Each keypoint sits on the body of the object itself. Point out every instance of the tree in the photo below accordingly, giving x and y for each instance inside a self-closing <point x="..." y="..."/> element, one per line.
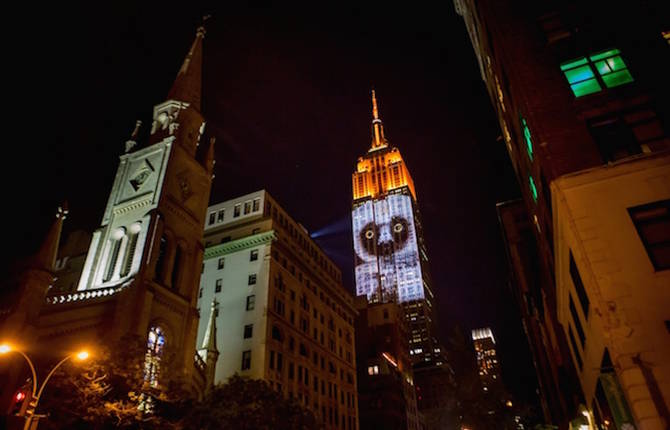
<point x="110" y="391"/>
<point x="246" y="404"/>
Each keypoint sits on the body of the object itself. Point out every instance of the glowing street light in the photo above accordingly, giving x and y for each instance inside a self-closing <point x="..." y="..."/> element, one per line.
<point x="31" y="418"/>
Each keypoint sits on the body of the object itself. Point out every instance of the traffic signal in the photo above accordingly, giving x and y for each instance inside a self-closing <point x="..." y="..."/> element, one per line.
<point x="20" y="402"/>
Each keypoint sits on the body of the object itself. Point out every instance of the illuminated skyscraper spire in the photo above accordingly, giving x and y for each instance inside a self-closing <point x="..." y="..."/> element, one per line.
<point x="378" y="139"/>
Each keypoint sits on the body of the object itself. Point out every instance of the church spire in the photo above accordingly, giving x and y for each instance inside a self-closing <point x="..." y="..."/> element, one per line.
<point x="378" y="139"/>
<point x="188" y="83"/>
<point x="46" y="256"/>
<point x="209" y="341"/>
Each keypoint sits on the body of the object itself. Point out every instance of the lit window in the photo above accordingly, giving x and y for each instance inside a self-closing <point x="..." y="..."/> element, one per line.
<point x="587" y="75"/>
<point x="152" y="358"/>
<point x="527" y="139"/>
<point x="533" y="188"/>
<point x="652" y="222"/>
<point x="373" y="370"/>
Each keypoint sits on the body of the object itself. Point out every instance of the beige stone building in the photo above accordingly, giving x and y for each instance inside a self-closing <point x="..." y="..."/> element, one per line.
<point x="612" y="247"/>
<point x="281" y="311"/>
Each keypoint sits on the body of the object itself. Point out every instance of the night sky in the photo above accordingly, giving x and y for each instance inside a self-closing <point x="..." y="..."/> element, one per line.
<point x="287" y="93"/>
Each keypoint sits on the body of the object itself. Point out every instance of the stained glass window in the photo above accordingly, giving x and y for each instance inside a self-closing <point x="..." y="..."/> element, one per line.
<point x="152" y="359"/>
<point x="527" y="138"/>
<point x="533" y="188"/>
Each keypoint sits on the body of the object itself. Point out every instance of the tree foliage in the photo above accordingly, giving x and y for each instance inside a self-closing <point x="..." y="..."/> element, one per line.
<point x="109" y="391"/>
<point x="246" y="404"/>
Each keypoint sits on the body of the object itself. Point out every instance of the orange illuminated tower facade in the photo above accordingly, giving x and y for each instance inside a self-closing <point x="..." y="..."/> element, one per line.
<point x="391" y="262"/>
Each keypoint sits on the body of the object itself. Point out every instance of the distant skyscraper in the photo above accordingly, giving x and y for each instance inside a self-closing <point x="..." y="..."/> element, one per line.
<point x="487" y="359"/>
<point x="391" y="262"/>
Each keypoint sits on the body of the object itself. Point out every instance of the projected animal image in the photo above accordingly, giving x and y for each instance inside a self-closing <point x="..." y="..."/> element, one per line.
<point x="387" y="256"/>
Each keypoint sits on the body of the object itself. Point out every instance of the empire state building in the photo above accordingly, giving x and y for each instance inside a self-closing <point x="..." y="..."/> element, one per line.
<point x="391" y="262"/>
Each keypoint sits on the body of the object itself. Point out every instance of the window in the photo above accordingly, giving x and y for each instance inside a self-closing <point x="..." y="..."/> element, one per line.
<point x="160" y="260"/>
<point x="578" y="357"/>
<point x="253" y="255"/>
<point x="212" y="218"/>
<point x="252" y="279"/>
<point x="246" y="360"/>
<point x="257" y="205"/>
<point x="247" y="207"/>
<point x="130" y="249"/>
<point x="248" y="331"/>
<point x="652" y="222"/>
<point x="276" y="333"/>
<point x="271" y="364"/>
<point x="280" y="361"/>
<point x="251" y="302"/>
<point x="527" y="138"/>
<point x="115" y="248"/>
<point x="236" y="211"/>
<point x="373" y="370"/>
<point x="219" y="215"/>
<point x="577" y="322"/>
<point x="579" y="287"/>
<point x="587" y="75"/>
<point x="152" y="358"/>
<point x="222" y="263"/>
<point x="218" y="286"/>
<point x="200" y="293"/>
<point x="533" y="188"/>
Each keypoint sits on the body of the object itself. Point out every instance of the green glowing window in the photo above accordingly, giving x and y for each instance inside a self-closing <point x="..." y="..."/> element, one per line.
<point x="533" y="189"/>
<point x="588" y="75"/>
<point x="526" y="138"/>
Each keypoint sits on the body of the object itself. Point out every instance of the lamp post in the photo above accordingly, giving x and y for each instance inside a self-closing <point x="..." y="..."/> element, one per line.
<point x="32" y="419"/>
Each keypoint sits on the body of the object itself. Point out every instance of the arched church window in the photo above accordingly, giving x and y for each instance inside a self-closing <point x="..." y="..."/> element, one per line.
<point x="115" y="247"/>
<point x="130" y="248"/>
<point x="152" y="358"/>
<point x="160" y="261"/>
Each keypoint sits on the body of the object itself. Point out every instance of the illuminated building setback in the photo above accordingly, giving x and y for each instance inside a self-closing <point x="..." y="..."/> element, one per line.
<point x="487" y="359"/>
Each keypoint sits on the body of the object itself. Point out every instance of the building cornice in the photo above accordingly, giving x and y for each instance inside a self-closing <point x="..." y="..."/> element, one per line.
<point x="240" y="244"/>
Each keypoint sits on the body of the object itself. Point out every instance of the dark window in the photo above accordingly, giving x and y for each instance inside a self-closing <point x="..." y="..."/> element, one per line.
<point x="247" y="207"/>
<point x="248" y="331"/>
<point x="251" y="302"/>
<point x="246" y="360"/>
<point x="257" y="204"/>
<point x="236" y="211"/>
<point x="579" y="287"/>
<point x="577" y="322"/>
<point x="253" y="256"/>
<point x="252" y="279"/>
<point x="212" y="218"/>
<point x="176" y="266"/>
<point x="222" y="263"/>
<point x="291" y="371"/>
<point x="574" y="347"/>
<point x="276" y="333"/>
<point x="271" y="365"/>
<point x="219" y="216"/>
<point x="652" y="222"/>
<point x="280" y="361"/>
<point x="200" y="293"/>
<point x="218" y="286"/>
<point x="160" y="261"/>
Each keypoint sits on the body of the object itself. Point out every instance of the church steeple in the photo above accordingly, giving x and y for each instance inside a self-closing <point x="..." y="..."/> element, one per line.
<point x="378" y="139"/>
<point x="188" y="83"/>
<point x="208" y="351"/>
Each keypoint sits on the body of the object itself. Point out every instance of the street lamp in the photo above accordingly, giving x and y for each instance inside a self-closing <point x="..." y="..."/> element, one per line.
<point x="31" y="422"/>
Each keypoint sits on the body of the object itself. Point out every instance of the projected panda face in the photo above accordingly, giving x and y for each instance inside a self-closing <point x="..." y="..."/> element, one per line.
<point x="386" y="251"/>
